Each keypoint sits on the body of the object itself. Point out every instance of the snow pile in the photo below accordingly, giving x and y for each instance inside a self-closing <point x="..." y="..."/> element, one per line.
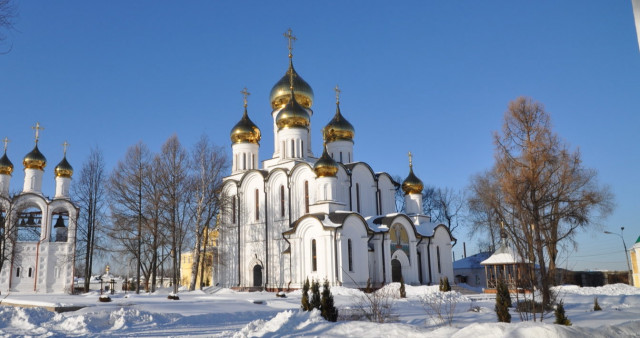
<point x="607" y="290"/>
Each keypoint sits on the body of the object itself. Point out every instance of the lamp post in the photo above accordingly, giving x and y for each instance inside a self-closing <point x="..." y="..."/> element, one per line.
<point x="626" y="254"/>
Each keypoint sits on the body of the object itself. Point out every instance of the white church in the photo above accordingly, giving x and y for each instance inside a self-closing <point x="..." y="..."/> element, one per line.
<point x="38" y="233"/>
<point x="297" y="216"/>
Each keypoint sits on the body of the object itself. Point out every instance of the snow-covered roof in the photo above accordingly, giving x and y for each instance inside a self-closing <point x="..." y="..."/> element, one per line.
<point x="504" y="255"/>
<point x="471" y="262"/>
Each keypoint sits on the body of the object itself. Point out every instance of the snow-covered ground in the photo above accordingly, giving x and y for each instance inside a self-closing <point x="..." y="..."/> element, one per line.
<point x="226" y="313"/>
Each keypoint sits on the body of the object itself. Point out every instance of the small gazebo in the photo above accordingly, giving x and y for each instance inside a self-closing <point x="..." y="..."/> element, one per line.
<point x="504" y="264"/>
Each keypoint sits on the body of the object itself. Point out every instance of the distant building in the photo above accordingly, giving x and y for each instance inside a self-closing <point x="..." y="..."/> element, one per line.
<point x="469" y="270"/>
<point x="207" y="257"/>
<point x="635" y="263"/>
<point x="37" y="234"/>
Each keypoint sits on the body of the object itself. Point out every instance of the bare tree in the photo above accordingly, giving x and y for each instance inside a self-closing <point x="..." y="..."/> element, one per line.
<point x="90" y="194"/>
<point x="126" y="188"/>
<point x="173" y="168"/>
<point x="8" y="13"/>
<point x="209" y="164"/>
<point x="543" y="193"/>
<point x="446" y="206"/>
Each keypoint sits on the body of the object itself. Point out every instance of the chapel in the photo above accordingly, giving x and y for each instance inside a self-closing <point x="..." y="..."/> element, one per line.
<point x="297" y="216"/>
<point x="37" y="233"/>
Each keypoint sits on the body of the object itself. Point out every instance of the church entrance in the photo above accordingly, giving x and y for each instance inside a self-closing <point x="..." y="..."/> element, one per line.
<point x="396" y="271"/>
<point x="257" y="275"/>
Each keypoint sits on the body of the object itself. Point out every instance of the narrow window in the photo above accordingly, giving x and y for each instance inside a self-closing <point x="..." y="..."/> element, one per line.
<point x="333" y="157"/>
<point x="17" y="272"/>
<point x="358" y="197"/>
<point x="349" y="252"/>
<point x="306" y="197"/>
<point x="29" y="273"/>
<point x="340" y="157"/>
<point x="257" y="205"/>
<point x="438" y="255"/>
<point x="244" y="161"/>
<point x="349" y="154"/>
<point x="301" y="148"/>
<point x="233" y="214"/>
<point x="284" y="150"/>
<point x="282" y="201"/>
<point x="314" y="260"/>
<point x="293" y="148"/>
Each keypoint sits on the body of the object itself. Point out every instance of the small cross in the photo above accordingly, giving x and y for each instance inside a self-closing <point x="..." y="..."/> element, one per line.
<point x="5" y="141"/>
<point x="65" y="145"/>
<point x="37" y="128"/>
<point x="245" y="95"/>
<point x="410" y="161"/>
<point x="291" y="38"/>
<point x="337" y="93"/>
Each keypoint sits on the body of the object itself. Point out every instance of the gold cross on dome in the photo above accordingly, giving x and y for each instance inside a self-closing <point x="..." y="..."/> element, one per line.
<point x="245" y="95"/>
<point x="288" y="34"/>
<point x="337" y="93"/>
<point x="410" y="160"/>
<point x="5" y="141"/>
<point x="65" y="145"/>
<point x="37" y="128"/>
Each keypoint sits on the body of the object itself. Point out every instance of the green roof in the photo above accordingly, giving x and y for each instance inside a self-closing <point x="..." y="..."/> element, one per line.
<point x="638" y="241"/>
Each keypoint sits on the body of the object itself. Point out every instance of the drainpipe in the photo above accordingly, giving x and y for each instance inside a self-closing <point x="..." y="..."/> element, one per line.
<point x="238" y="219"/>
<point x="384" y="273"/>
<point x="335" y="253"/>
<point x="419" y="260"/>
<point x="266" y="239"/>
<point x="429" y="260"/>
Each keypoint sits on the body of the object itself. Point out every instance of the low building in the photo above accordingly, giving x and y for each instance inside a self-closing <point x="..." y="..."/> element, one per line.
<point x="469" y="270"/>
<point x="635" y="263"/>
<point x="207" y="257"/>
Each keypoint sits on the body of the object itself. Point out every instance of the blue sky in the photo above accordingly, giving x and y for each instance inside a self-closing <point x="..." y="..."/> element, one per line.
<point x="430" y="77"/>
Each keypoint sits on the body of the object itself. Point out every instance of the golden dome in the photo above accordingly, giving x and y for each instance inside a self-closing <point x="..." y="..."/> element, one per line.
<point x="293" y="115"/>
<point x="412" y="184"/>
<point x="338" y="129"/>
<point x="6" y="167"/>
<point x="35" y="159"/>
<point x="245" y="131"/>
<point x="280" y="93"/>
<point x="64" y="169"/>
<point x="325" y="166"/>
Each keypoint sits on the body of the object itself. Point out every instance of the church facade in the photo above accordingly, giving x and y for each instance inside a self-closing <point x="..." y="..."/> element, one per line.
<point x="300" y="216"/>
<point x="38" y="233"/>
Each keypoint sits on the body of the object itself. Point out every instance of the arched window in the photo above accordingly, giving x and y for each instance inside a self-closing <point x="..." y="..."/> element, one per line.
<point x="30" y="272"/>
<point x="301" y="149"/>
<point x="349" y="155"/>
<point x="282" y="201"/>
<point x="306" y="197"/>
<point x="293" y="148"/>
<point x="59" y="229"/>
<point x="438" y="255"/>
<point x="314" y="258"/>
<point x="358" y="197"/>
<point x="244" y="161"/>
<point x="340" y="157"/>
<point x="17" y="272"/>
<point x="29" y="225"/>
<point x="233" y="212"/>
<point x="350" y="254"/>
<point x="257" y="205"/>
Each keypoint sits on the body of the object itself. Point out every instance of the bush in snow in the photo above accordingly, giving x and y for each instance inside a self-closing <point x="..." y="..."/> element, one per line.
<point x="403" y="292"/>
<point x="306" y="306"/>
<point x="441" y="306"/>
<point x="561" y="317"/>
<point x="368" y="289"/>
<point x="444" y="284"/>
<point x="328" y="309"/>
<point x="376" y="306"/>
<point x="503" y="302"/>
<point x="596" y="306"/>
<point x="315" y="295"/>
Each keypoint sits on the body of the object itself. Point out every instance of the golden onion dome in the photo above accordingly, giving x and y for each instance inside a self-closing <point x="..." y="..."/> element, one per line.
<point x="412" y="184"/>
<point x="338" y="129"/>
<point x="293" y="115"/>
<point x="34" y="159"/>
<point x="245" y="131"/>
<point x="64" y="169"/>
<point x="6" y="167"/>
<point x="325" y="166"/>
<point x="280" y="93"/>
